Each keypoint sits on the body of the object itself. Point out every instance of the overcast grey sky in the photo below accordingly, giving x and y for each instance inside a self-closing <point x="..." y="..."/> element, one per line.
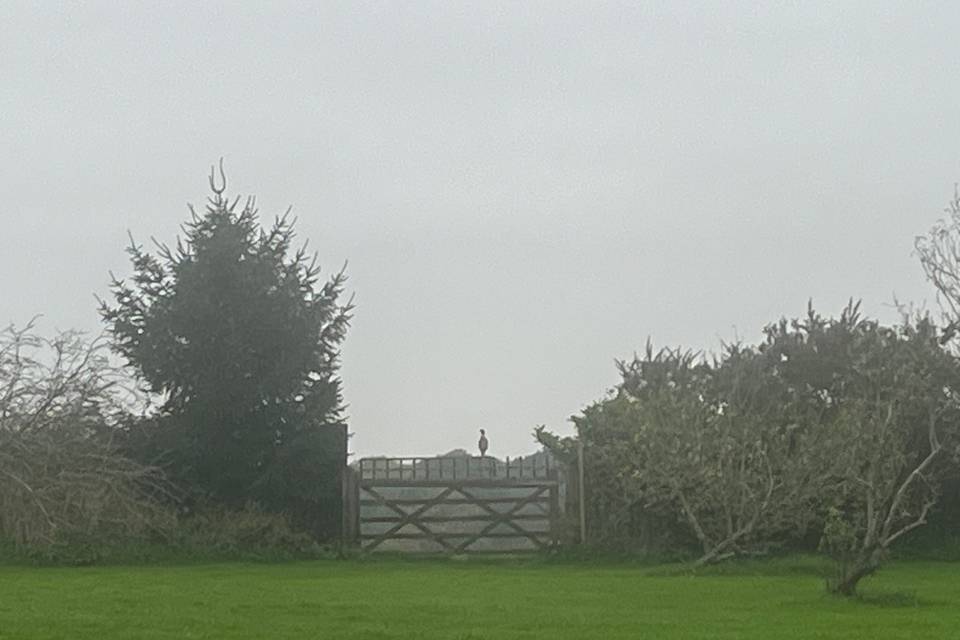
<point x="524" y="191"/>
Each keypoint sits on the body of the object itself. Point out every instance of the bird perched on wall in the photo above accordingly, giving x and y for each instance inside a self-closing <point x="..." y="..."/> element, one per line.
<point x="484" y="443"/>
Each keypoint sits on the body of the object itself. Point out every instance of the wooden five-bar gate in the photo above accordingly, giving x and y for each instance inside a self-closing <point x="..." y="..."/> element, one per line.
<point x="454" y="506"/>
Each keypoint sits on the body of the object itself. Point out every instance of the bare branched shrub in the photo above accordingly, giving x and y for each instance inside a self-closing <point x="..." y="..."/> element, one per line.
<point x="939" y="253"/>
<point x="61" y="472"/>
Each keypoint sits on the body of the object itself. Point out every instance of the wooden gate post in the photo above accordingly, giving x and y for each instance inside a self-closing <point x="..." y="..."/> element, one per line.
<point x="554" y="506"/>
<point x="350" y="524"/>
<point x="582" y="491"/>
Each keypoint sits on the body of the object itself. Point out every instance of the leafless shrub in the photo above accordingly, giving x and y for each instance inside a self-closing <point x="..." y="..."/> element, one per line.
<point x="61" y="472"/>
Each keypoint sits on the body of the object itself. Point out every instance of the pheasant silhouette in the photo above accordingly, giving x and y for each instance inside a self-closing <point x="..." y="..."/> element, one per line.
<point x="484" y="443"/>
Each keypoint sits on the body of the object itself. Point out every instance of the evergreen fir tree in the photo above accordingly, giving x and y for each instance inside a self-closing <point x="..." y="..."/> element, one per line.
<point x="237" y="334"/>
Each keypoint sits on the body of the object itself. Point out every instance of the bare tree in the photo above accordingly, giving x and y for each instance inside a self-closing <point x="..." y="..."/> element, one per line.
<point x="939" y="253"/>
<point x="61" y="473"/>
<point x="893" y="442"/>
<point x="889" y="493"/>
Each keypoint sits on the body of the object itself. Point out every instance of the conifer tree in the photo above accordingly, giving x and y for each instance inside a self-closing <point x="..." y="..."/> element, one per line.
<point x="235" y="331"/>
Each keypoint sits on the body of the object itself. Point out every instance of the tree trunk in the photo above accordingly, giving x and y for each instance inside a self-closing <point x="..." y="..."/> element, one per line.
<point x="865" y="564"/>
<point x="720" y="552"/>
<point x="715" y="556"/>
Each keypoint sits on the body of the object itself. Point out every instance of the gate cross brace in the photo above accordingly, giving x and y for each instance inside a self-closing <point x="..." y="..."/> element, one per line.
<point x="504" y="518"/>
<point x="409" y="518"/>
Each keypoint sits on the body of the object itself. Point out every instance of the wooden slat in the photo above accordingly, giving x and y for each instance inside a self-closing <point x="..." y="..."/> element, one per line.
<point x="484" y="518"/>
<point x="502" y="552"/>
<point x="477" y="483"/>
<point x="433" y="536"/>
<point x="455" y="501"/>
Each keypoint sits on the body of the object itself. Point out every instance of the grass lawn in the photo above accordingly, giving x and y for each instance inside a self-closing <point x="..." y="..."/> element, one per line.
<point x="474" y="600"/>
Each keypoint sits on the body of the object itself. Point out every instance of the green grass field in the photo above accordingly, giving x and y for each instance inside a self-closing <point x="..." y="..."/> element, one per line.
<point x="475" y="600"/>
